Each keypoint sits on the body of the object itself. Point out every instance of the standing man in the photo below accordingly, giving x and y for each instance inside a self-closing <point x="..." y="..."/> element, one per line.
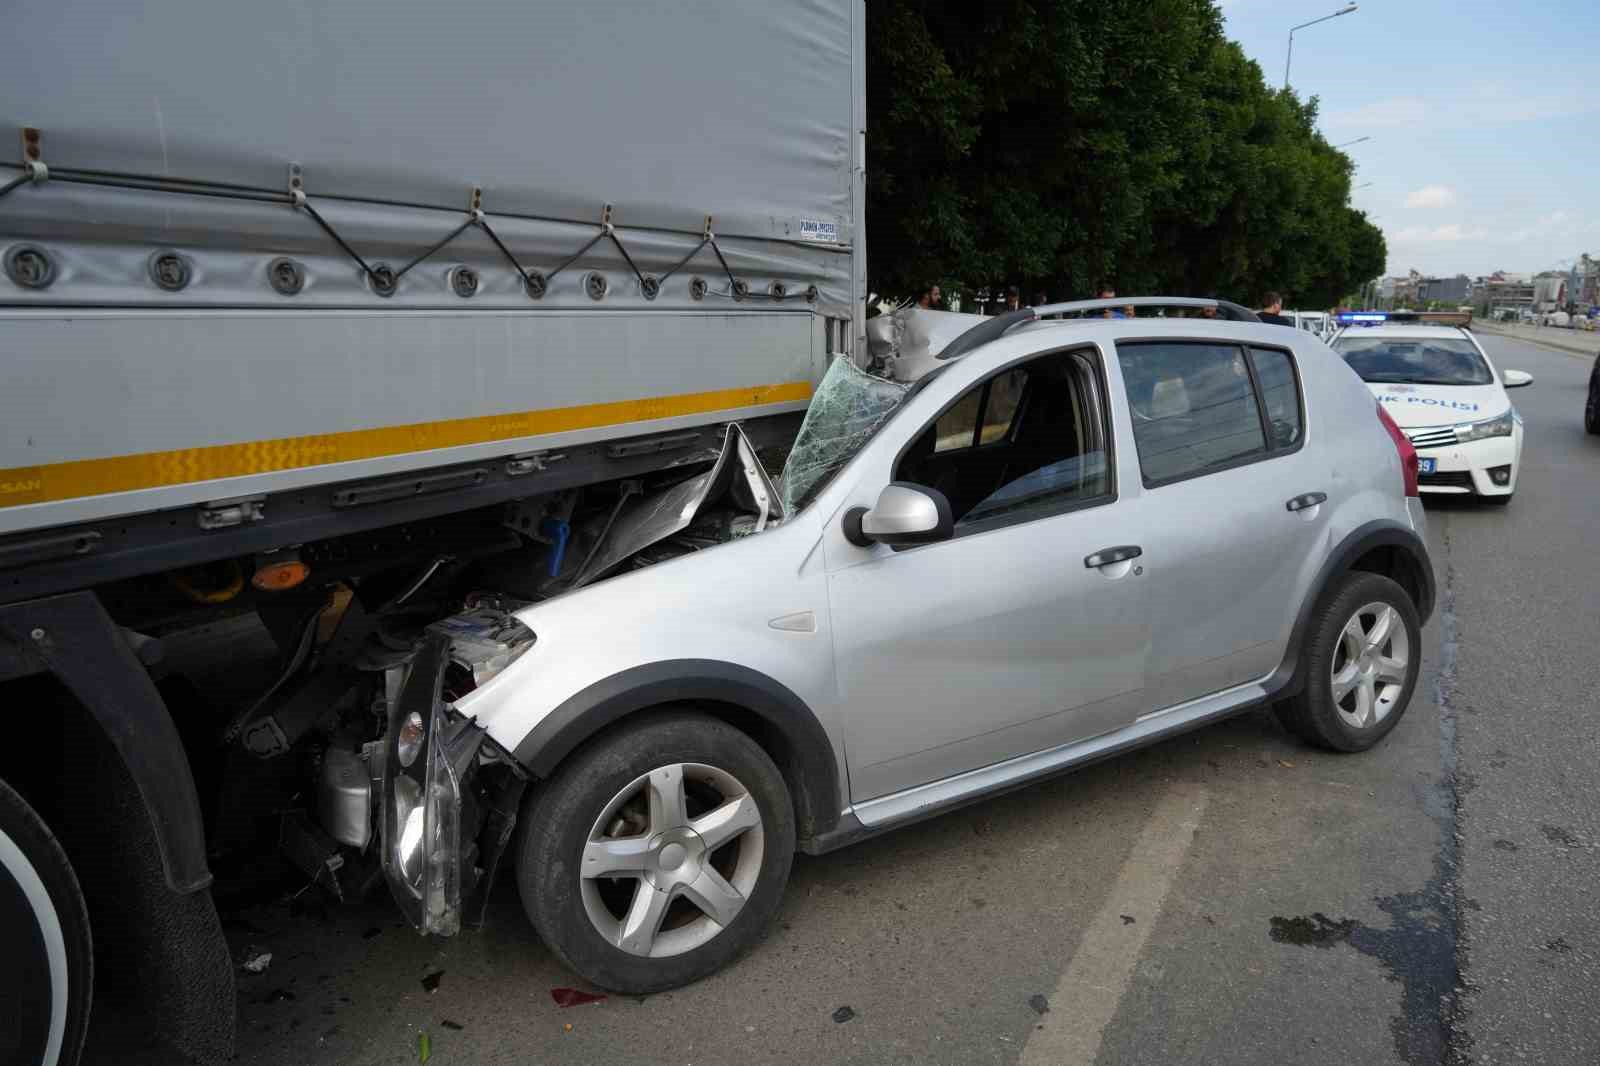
<point x="1013" y="299"/>
<point x="1272" y="310"/>
<point x="1106" y="291"/>
<point x="930" y="298"/>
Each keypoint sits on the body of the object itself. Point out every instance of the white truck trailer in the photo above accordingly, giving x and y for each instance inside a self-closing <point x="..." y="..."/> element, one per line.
<point x="310" y="319"/>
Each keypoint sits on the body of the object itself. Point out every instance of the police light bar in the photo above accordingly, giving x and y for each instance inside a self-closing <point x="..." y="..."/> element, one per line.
<point x="1424" y="318"/>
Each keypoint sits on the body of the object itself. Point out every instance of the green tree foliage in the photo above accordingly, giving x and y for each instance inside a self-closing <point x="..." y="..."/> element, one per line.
<point x="1053" y="143"/>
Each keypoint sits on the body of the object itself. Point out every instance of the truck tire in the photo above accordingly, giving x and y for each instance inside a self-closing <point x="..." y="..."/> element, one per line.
<point x="48" y="970"/>
<point x="1359" y="663"/>
<point x="695" y="821"/>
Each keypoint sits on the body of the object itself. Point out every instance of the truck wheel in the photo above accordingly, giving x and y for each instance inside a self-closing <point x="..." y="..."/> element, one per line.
<point x="48" y="970"/>
<point x="658" y="853"/>
<point x="1359" y="664"/>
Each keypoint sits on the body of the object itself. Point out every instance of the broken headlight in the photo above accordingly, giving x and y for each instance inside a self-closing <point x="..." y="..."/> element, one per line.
<point x="426" y="757"/>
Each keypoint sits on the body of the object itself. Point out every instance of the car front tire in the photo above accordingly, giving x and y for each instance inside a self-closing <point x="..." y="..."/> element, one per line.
<point x="658" y="853"/>
<point x="48" y="969"/>
<point x="1359" y="665"/>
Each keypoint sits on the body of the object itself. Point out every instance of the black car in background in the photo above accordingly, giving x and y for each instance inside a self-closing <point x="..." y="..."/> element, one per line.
<point x="1591" y="409"/>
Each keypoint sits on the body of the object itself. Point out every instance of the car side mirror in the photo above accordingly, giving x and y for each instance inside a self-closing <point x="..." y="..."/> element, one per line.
<point x="905" y="514"/>
<point x="1515" y="379"/>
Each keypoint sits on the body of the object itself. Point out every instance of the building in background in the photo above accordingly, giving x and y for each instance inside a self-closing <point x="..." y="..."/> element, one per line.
<point x="1550" y="291"/>
<point x="1400" y="292"/>
<point x="1454" y="291"/>
<point x="1585" y="286"/>
<point x="1502" y="291"/>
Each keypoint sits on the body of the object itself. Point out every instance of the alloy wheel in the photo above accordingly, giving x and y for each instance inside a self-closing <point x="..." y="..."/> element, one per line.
<point x="1370" y="665"/>
<point x="672" y="860"/>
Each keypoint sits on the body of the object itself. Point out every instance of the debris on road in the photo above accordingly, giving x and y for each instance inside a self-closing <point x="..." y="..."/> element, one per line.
<point x="1127" y="919"/>
<point x="1039" y="1003"/>
<point x="572" y="997"/>
<point x="1286" y="764"/>
<point x="1557" y="835"/>
<point x="257" y="961"/>
<point x="843" y="1014"/>
<point x="430" y="981"/>
<point x="424" y="1047"/>
<point x="455" y="1027"/>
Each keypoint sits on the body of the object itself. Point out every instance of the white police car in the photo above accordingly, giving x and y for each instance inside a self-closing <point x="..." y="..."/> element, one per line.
<point x="1433" y="378"/>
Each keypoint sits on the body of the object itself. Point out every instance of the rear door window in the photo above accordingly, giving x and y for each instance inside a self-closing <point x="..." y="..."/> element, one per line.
<point x="1200" y="407"/>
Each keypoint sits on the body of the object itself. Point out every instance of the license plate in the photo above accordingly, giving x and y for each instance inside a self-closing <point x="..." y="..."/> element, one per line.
<point x="1426" y="466"/>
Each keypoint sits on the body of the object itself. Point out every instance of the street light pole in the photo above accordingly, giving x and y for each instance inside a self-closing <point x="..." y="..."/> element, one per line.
<point x="1287" y="59"/>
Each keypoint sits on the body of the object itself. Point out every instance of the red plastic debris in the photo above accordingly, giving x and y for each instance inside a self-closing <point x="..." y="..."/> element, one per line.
<point x="572" y="997"/>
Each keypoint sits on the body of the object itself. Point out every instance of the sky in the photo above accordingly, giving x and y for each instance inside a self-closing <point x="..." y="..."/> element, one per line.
<point x="1484" y="121"/>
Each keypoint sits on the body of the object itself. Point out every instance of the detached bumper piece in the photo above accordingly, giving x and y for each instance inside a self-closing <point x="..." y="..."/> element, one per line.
<point x="427" y="760"/>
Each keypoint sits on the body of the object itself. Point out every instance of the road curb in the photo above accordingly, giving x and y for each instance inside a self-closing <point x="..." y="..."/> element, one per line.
<point x="1569" y="349"/>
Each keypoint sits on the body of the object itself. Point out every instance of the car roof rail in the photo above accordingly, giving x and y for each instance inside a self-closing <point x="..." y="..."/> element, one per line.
<point x="1000" y="325"/>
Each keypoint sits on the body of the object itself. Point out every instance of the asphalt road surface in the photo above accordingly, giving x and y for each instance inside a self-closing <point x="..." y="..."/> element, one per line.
<point x="1230" y="896"/>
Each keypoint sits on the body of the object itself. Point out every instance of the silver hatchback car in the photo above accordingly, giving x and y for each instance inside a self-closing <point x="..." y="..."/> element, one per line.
<point x="1052" y="540"/>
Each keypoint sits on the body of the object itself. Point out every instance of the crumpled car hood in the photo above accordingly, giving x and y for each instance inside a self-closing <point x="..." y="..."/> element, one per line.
<point x="736" y="476"/>
<point x="846" y="410"/>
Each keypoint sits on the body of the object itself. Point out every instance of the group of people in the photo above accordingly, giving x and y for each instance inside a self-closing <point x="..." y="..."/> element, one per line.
<point x="1271" y="304"/>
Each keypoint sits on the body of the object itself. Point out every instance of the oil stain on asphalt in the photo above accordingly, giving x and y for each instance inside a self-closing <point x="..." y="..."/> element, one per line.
<point x="1423" y="949"/>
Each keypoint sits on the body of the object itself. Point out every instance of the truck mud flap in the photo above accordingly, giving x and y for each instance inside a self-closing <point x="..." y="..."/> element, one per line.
<point x="72" y="637"/>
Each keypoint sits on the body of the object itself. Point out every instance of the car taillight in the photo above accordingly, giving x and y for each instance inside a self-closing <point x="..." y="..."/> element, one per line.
<point x="1408" y="454"/>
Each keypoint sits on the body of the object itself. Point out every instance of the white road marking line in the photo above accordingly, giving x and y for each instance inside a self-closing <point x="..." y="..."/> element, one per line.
<point x="1086" y="998"/>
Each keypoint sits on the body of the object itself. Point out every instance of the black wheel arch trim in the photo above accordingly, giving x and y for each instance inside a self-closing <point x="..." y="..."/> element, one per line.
<point x="1382" y="533"/>
<point x="72" y="637"/>
<point x="704" y="681"/>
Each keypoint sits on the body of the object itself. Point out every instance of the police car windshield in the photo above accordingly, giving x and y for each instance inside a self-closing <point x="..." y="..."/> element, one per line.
<point x="1415" y="360"/>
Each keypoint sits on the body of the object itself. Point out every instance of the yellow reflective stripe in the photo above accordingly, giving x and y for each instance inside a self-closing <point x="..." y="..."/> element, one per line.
<point x="126" y="473"/>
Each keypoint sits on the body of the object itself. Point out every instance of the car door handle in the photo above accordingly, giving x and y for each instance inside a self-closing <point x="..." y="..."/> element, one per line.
<point x="1107" y="556"/>
<point x="1306" y="499"/>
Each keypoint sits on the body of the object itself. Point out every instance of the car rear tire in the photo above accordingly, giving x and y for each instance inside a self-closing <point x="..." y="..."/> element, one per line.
<point x="693" y="823"/>
<point x="1359" y="665"/>
<point x="48" y="969"/>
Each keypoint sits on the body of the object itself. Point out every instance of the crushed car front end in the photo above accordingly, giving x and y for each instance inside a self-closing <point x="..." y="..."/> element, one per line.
<point x="448" y="794"/>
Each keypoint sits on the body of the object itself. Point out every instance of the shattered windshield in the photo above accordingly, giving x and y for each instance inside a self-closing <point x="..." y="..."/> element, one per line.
<point x="846" y="410"/>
